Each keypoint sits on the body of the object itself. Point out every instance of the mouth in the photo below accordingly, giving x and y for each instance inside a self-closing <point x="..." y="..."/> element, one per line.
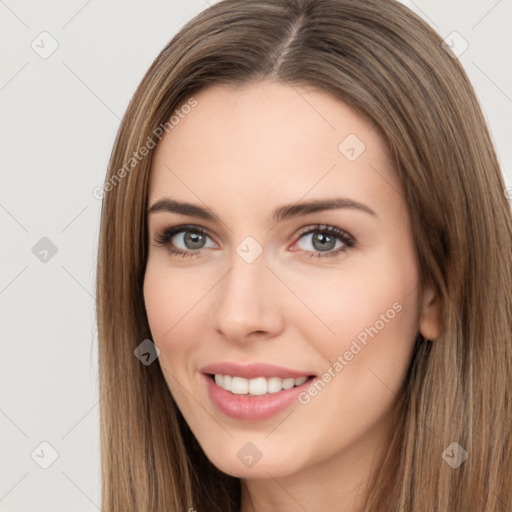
<point x="257" y="386"/>
<point x="254" y="399"/>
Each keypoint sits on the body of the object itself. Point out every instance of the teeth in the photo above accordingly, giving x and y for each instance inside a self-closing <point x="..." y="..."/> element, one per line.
<point x="258" y="386"/>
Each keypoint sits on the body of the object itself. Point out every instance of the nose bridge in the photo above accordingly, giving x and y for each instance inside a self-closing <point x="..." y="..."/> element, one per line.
<point x="244" y="302"/>
<point x="244" y="284"/>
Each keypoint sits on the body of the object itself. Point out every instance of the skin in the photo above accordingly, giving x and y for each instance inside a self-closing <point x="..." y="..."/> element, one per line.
<point x="242" y="153"/>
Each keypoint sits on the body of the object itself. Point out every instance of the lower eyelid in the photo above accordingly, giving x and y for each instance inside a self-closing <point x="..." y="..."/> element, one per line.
<point x="326" y="254"/>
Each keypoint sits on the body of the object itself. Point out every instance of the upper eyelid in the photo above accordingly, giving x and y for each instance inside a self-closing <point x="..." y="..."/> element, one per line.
<point x="175" y="230"/>
<point x="324" y="227"/>
<point x="301" y="231"/>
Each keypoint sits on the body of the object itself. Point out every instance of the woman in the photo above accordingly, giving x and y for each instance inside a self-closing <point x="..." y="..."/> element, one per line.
<point x="304" y="272"/>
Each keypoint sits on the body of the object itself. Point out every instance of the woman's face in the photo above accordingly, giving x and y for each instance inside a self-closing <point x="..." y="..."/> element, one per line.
<point x="304" y="259"/>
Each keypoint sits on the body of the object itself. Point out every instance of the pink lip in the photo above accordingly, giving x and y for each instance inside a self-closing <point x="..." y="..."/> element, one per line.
<point x="249" y="407"/>
<point x="253" y="370"/>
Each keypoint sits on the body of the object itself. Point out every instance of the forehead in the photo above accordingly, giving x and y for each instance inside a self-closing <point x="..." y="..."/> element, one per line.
<point x="270" y="140"/>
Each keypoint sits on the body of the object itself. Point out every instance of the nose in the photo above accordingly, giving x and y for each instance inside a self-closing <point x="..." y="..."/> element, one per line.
<point x="247" y="302"/>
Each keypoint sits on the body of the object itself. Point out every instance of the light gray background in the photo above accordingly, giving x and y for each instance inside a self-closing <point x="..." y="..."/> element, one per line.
<point x="59" y="118"/>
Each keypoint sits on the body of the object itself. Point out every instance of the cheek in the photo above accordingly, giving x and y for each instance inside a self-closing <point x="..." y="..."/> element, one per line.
<point x="159" y="309"/>
<point x="170" y="298"/>
<point x="360" y="302"/>
<point x="169" y="302"/>
<point x="369" y="311"/>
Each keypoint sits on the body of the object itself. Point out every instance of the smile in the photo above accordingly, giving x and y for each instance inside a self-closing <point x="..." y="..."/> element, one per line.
<point x="238" y="403"/>
<point x="258" y="386"/>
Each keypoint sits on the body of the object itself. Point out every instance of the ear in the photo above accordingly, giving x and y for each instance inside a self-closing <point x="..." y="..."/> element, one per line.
<point x="429" y="325"/>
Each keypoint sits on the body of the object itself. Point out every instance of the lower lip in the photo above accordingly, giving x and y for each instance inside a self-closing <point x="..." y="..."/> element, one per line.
<point x="252" y="407"/>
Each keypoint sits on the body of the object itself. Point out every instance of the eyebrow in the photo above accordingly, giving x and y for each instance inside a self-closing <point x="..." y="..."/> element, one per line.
<point x="281" y="213"/>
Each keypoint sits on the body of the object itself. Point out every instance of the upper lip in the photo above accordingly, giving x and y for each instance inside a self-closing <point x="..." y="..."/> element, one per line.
<point x="253" y="370"/>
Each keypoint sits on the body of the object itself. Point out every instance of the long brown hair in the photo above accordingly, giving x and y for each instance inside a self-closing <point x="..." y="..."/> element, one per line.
<point x="390" y="66"/>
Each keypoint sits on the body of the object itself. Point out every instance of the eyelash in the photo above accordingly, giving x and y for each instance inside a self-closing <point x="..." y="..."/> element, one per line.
<point x="164" y="237"/>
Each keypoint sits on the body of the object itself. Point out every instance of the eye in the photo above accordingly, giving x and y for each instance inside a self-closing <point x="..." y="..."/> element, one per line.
<point x="317" y="241"/>
<point x="184" y="240"/>
<point x="324" y="241"/>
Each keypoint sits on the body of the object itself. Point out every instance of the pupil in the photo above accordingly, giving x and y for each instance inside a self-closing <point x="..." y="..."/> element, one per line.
<point x="194" y="240"/>
<point x="323" y="242"/>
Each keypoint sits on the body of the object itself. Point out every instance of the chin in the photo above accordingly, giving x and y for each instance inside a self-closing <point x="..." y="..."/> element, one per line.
<point x="236" y="461"/>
